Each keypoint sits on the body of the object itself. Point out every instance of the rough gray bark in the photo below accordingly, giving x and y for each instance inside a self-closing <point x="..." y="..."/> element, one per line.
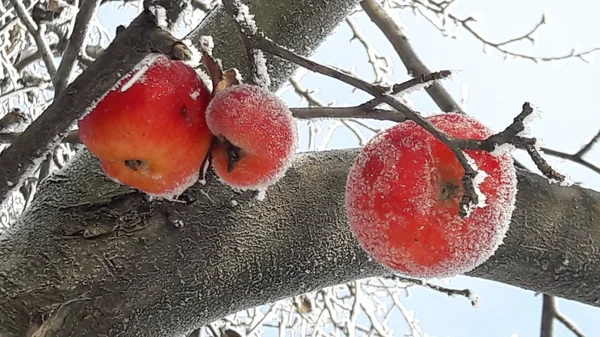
<point x="120" y="268"/>
<point x="91" y="258"/>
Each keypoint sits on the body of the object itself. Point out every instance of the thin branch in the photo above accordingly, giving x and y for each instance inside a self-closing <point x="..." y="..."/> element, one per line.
<point x="466" y="293"/>
<point x="571" y="157"/>
<point x="548" y="309"/>
<point x="37" y="36"/>
<point x="549" y="313"/>
<point x="80" y="29"/>
<point x="409" y="57"/>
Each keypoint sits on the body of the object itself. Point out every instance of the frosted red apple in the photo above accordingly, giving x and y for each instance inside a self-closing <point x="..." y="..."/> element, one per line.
<point x="256" y="136"/>
<point x="403" y="194"/>
<point x="150" y="131"/>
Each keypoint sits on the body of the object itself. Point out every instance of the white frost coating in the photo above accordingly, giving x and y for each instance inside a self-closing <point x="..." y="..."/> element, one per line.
<point x="204" y="78"/>
<point x="261" y="195"/>
<point x="261" y="77"/>
<point x="176" y="191"/>
<point x="196" y="56"/>
<point x="528" y="120"/>
<point x="207" y="44"/>
<point x="160" y="13"/>
<point x="140" y="70"/>
<point x="479" y="178"/>
<point x="245" y="18"/>
<point x="502" y="149"/>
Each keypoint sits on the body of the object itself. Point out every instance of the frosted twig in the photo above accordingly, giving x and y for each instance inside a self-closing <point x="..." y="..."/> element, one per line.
<point x="32" y="28"/>
<point x="422" y="81"/>
<point x="407" y="54"/>
<point x="439" y="15"/>
<point x="379" y="62"/>
<point x="247" y="28"/>
<point x="466" y="293"/>
<point x="75" y="44"/>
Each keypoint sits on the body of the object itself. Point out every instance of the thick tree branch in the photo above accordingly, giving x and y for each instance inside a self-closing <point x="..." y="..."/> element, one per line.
<point x="94" y="258"/>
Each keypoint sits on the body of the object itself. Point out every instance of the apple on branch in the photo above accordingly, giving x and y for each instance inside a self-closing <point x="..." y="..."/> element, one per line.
<point x="150" y="131"/>
<point x="403" y="196"/>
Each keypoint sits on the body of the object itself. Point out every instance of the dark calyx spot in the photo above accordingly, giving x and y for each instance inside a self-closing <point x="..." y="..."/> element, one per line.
<point x="184" y="111"/>
<point x="449" y="191"/>
<point x="234" y="153"/>
<point x="134" y="164"/>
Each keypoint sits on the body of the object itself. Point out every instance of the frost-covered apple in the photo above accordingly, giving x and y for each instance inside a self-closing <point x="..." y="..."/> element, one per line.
<point x="150" y="131"/>
<point x="256" y="136"/>
<point x="403" y="194"/>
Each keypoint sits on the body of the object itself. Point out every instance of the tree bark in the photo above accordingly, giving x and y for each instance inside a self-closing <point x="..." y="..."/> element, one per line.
<point x="93" y="258"/>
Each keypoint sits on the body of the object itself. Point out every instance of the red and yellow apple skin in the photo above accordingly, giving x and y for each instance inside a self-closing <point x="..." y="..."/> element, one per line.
<point x="150" y="131"/>
<point x="262" y="130"/>
<point x="403" y="194"/>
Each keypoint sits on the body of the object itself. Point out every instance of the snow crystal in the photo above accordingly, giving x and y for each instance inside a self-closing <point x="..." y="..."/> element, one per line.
<point x="160" y="13"/>
<point x="140" y="70"/>
<point x="234" y="202"/>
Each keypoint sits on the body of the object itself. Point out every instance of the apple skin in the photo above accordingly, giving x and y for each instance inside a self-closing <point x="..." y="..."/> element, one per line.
<point x="261" y="128"/>
<point x="403" y="193"/>
<point x="150" y="131"/>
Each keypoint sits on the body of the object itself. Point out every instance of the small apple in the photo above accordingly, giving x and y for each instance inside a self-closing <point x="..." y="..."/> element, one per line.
<point x="255" y="136"/>
<point x="403" y="194"/>
<point x="150" y="131"/>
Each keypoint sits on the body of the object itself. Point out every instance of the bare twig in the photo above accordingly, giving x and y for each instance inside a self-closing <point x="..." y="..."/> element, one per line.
<point x="550" y="313"/>
<point x="80" y="30"/>
<point x="409" y="57"/>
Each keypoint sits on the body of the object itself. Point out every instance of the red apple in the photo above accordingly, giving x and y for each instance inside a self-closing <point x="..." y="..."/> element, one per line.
<point x="150" y="131"/>
<point x="403" y="194"/>
<point x="256" y="136"/>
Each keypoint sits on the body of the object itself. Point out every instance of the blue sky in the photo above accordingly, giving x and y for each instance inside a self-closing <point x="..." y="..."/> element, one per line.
<point x="565" y="92"/>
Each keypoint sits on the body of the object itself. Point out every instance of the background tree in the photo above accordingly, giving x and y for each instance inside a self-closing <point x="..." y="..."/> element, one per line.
<point x="90" y="257"/>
